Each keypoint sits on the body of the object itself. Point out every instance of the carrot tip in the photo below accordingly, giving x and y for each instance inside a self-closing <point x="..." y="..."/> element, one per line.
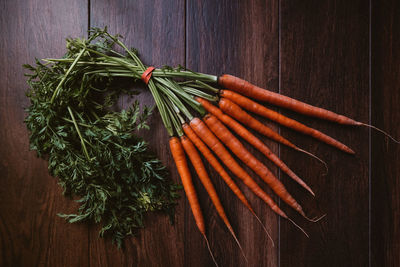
<point x="315" y="219"/>
<point x="315" y="157"/>
<point x="209" y="250"/>
<point x="311" y="192"/>
<point x="238" y="243"/>
<point x="379" y="130"/>
<point x="349" y="150"/>
<point x="301" y="229"/>
<point x="265" y="229"/>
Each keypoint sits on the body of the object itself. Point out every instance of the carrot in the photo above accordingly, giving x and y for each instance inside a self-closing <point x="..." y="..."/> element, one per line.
<point x="201" y="129"/>
<point x="245" y="88"/>
<point x="238" y="113"/>
<point x="214" y="144"/>
<point x="215" y="164"/>
<point x="221" y="171"/>
<point x="254" y="107"/>
<point x="253" y="140"/>
<point x="181" y="164"/>
<point x="208" y="185"/>
<point x="243" y="154"/>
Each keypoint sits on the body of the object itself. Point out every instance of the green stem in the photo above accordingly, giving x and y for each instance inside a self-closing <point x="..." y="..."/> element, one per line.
<point x="79" y="123"/>
<point x="79" y="133"/>
<point x="65" y="76"/>
<point x="206" y="86"/>
<point x="162" y="109"/>
<point x="178" y="90"/>
<point x="174" y="117"/>
<point x="94" y="114"/>
<point x="181" y="119"/>
<point x="195" y="92"/>
<point x="185" y="74"/>
<point x="174" y="99"/>
<point x="70" y="60"/>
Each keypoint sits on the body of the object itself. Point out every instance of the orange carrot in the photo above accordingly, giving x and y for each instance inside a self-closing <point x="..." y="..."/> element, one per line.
<point x="214" y="144"/>
<point x="216" y="165"/>
<point x="254" y="107"/>
<point x="181" y="164"/>
<point x="208" y="185"/>
<point x="238" y="113"/>
<point x="221" y="171"/>
<point x="243" y="154"/>
<point x="245" y="88"/>
<point x="253" y="140"/>
<point x="201" y="129"/>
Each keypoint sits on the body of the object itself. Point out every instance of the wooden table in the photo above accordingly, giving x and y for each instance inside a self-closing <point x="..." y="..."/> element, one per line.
<point x="337" y="54"/>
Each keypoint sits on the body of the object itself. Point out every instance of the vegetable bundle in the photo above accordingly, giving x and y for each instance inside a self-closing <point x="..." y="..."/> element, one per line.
<point x="198" y="117"/>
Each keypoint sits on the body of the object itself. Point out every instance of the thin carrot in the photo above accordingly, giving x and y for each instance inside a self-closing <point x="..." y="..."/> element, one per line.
<point x="197" y="163"/>
<point x="218" y="128"/>
<point x="254" y="107"/>
<point x="201" y="129"/>
<point x="181" y="164"/>
<point x="245" y="88"/>
<point x="238" y="113"/>
<point x="214" y="144"/>
<point x="253" y="140"/>
<point x="221" y="171"/>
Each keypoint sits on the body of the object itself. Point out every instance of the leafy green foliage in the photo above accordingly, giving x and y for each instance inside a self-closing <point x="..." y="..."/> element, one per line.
<point x="91" y="149"/>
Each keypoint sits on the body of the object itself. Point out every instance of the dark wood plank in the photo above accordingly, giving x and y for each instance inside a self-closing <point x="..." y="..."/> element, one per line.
<point x="385" y="168"/>
<point x="240" y="39"/>
<point x="156" y="29"/>
<point x="324" y="61"/>
<point x="31" y="234"/>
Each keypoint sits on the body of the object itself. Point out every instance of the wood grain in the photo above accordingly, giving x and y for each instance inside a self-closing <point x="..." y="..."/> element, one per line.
<point x="31" y="234"/>
<point x="385" y="168"/>
<point x="324" y="61"/>
<point x="336" y="54"/>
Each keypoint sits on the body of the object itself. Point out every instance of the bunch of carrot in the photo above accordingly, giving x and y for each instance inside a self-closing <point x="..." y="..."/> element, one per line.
<point x="211" y="134"/>
<point x="220" y="111"/>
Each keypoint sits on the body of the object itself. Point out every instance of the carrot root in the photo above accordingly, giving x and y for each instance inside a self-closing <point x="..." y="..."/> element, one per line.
<point x="315" y="157"/>
<point x="379" y="130"/>
<point x="305" y="186"/>
<point x="209" y="250"/>
<point x="298" y="226"/>
<point x="265" y="229"/>
<point x="238" y="243"/>
<point x="316" y="219"/>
